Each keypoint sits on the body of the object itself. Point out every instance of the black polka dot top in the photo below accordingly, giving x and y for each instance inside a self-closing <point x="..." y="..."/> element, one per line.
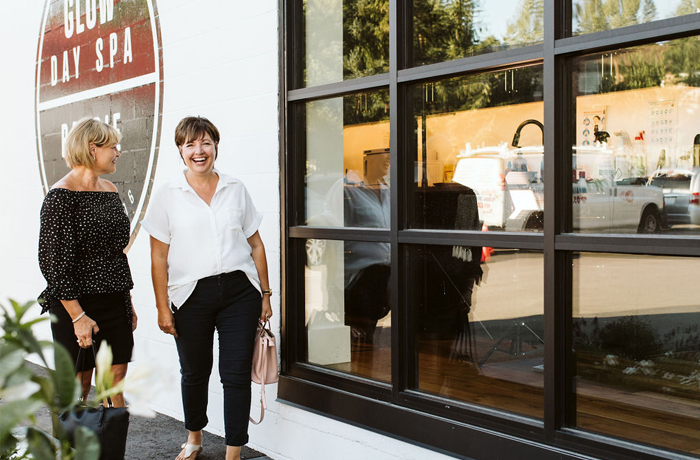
<point x="81" y="245"/>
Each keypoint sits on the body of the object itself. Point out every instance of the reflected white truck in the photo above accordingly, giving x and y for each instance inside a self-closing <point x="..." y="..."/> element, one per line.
<point x="510" y="191"/>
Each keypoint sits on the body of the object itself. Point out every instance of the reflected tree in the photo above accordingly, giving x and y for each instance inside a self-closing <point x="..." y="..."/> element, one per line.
<point x="648" y="11"/>
<point x="365" y="37"/>
<point x="528" y="26"/>
<point x="600" y="15"/>
<point x="444" y="30"/>
<point x="688" y="7"/>
<point x="683" y="61"/>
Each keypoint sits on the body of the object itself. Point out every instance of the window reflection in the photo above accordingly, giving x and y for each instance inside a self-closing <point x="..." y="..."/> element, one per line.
<point x="447" y="30"/>
<point x="598" y="15"/>
<point x="345" y="39"/>
<point x="347" y="161"/>
<point x="636" y="161"/>
<point x="478" y="326"/>
<point x="479" y="136"/>
<point x="347" y="307"/>
<point x="636" y="337"/>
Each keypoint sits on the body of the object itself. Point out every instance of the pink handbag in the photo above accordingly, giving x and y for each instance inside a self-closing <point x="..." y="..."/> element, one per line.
<point x="264" y="368"/>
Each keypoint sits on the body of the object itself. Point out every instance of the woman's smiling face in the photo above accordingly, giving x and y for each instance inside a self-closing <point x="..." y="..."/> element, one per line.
<point x="199" y="154"/>
<point x="105" y="158"/>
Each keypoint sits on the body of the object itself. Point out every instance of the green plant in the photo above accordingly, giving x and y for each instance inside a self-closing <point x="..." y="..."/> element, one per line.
<point x="23" y="393"/>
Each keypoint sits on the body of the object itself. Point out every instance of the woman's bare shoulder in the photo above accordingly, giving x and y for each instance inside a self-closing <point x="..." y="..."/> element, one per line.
<point x="107" y="186"/>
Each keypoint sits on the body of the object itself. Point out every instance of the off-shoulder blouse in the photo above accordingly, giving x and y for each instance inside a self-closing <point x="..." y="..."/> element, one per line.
<point x="82" y="239"/>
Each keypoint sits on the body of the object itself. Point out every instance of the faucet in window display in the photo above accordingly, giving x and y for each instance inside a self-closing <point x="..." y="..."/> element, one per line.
<point x="367" y="264"/>
<point x="520" y="163"/>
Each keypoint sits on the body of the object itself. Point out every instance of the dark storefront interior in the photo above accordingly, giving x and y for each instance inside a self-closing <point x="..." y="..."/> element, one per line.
<point x="427" y="293"/>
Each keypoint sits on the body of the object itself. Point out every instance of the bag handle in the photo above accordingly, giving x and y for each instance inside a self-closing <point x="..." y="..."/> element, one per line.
<point x="94" y="356"/>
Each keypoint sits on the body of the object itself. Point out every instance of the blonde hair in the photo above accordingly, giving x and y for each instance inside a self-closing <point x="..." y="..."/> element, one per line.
<point x="88" y="131"/>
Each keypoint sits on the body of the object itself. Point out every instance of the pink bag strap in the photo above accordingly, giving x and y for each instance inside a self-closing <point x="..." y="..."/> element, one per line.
<point x="263" y="364"/>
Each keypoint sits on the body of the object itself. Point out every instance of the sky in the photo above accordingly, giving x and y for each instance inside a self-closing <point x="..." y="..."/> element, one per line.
<point x="497" y="22"/>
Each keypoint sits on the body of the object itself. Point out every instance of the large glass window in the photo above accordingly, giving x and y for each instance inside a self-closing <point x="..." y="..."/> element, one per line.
<point x="347" y="307"/>
<point x="487" y="103"/>
<point x="344" y="39"/>
<point x="478" y="326"/>
<point x="636" y="159"/>
<point x="636" y="336"/>
<point x="453" y="29"/>
<point x="347" y="161"/>
<point x="477" y="152"/>
<point x="599" y="15"/>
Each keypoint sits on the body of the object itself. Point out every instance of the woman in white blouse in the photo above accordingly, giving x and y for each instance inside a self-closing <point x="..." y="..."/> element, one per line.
<point x="209" y="272"/>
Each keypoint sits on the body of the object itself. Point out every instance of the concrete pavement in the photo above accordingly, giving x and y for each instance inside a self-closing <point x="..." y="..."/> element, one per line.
<point x="158" y="438"/>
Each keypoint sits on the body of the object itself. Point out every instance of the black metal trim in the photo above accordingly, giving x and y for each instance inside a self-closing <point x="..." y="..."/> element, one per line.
<point x="507" y="240"/>
<point x="283" y="157"/>
<point x="341" y="381"/>
<point x="482" y="63"/>
<point x="465" y="412"/>
<point x="337" y="233"/>
<point x="630" y="244"/>
<point x="468" y="441"/>
<point x="341" y="88"/>
<point x="623" y="37"/>
<point x="398" y="318"/>
<point x="605" y="446"/>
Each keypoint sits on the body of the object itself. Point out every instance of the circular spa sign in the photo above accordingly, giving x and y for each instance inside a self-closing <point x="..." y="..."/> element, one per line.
<point x="101" y="59"/>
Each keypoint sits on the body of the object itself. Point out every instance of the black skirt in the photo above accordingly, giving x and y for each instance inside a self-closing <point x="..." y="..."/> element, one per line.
<point x="111" y="312"/>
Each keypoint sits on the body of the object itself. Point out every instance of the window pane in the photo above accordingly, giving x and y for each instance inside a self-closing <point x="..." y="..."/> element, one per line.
<point x="344" y="39"/>
<point x="347" y="161"/>
<point x="477" y="152"/>
<point x="348" y="323"/>
<point x="479" y="339"/>
<point x="447" y="30"/>
<point x="598" y="15"/>
<point x="636" y="336"/>
<point x="636" y="161"/>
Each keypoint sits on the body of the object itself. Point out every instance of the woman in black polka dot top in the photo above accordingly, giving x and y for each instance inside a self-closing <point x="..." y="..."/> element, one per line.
<point x="84" y="231"/>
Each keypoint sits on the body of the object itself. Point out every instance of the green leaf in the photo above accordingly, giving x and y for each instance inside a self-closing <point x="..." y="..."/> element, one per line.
<point x="35" y="321"/>
<point x="87" y="446"/>
<point x="40" y="445"/>
<point x="64" y="379"/>
<point x="21" y="309"/>
<point x="11" y="359"/>
<point x="13" y="412"/>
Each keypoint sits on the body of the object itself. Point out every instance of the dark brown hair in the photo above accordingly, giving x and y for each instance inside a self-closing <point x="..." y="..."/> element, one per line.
<point x="193" y="128"/>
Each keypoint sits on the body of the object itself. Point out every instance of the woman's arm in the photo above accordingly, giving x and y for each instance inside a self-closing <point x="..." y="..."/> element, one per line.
<point x="84" y="327"/>
<point x="159" y="277"/>
<point x="260" y="260"/>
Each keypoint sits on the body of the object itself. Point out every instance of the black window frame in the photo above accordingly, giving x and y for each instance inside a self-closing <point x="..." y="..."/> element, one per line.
<point x="439" y="423"/>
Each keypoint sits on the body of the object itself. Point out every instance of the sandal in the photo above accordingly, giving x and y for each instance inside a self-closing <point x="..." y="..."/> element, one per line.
<point x="191" y="449"/>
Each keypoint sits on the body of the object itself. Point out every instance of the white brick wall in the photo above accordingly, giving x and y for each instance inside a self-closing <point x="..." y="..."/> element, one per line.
<point x="220" y="61"/>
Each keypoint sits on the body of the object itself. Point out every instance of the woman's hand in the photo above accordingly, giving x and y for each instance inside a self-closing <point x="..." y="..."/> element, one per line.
<point x="134" y="318"/>
<point x="266" y="309"/>
<point x="166" y="322"/>
<point x="84" y="328"/>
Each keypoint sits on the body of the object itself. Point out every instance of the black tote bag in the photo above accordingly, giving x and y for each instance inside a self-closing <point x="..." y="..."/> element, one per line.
<point x="110" y="424"/>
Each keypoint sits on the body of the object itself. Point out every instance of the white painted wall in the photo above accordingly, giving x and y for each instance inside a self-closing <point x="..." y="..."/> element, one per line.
<point x="220" y="61"/>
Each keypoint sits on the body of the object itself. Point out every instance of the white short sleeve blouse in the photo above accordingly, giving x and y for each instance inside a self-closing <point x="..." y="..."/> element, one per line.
<point x="204" y="240"/>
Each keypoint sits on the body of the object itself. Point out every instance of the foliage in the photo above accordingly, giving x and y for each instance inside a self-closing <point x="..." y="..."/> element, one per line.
<point x="688" y="7"/>
<point x="630" y="337"/>
<point x="365" y="37"/>
<point x="24" y="392"/>
<point x="528" y="28"/>
<point x="627" y="352"/>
